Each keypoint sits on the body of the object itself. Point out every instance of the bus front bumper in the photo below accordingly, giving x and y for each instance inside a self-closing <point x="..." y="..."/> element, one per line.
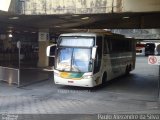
<point x="71" y="82"/>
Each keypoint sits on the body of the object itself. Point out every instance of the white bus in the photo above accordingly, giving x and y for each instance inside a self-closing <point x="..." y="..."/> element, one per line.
<point x="91" y="59"/>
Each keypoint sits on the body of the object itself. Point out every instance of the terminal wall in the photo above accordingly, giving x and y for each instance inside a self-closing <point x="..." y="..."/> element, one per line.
<point x="87" y="6"/>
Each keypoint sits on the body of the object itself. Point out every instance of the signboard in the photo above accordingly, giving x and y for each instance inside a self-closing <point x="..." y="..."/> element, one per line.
<point x="18" y="44"/>
<point x="154" y="60"/>
<point x="43" y="36"/>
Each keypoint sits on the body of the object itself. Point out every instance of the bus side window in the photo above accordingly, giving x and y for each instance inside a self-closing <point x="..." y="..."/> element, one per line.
<point x="109" y="45"/>
<point x="105" y="47"/>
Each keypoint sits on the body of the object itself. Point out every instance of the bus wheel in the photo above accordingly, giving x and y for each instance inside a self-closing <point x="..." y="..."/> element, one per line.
<point x="104" y="78"/>
<point x="127" y="70"/>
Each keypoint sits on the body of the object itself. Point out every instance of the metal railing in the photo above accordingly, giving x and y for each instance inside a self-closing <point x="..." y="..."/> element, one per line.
<point x="10" y="75"/>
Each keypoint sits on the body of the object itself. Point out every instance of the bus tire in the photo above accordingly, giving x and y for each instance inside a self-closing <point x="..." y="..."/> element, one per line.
<point x="104" y="78"/>
<point x="127" y="70"/>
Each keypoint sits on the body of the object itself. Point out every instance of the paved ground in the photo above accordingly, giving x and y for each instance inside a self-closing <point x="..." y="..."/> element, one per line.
<point x="136" y="93"/>
<point x="32" y="75"/>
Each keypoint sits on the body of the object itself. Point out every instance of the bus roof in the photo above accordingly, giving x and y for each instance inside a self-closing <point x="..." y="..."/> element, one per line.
<point x="79" y="34"/>
<point x="92" y="32"/>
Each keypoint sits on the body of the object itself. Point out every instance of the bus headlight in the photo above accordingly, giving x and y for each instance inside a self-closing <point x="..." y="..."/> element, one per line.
<point x="87" y="76"/>
<point x="56" y="74"/>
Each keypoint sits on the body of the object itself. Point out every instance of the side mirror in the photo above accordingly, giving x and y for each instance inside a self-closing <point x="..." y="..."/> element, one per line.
<point x="50" y="51"/>
<point x="94" y="50"/>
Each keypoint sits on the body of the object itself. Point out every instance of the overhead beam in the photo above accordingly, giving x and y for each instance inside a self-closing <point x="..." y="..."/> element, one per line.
<point x="35" y="7"/>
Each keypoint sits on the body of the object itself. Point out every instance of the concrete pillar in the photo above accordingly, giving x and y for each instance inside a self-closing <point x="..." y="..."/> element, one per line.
<point x="7" y="42"/>
<point x="43" y="39"/>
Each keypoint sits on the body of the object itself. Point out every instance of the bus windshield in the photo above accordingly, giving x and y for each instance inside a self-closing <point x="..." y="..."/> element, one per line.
<point x="74" y="59"/>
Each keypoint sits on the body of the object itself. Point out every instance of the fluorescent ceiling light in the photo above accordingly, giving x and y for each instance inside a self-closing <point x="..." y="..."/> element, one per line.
<point x="107" y="29"/>
<point x="75" y="15"/>
<point x="74" y="29"/>
<point x="57" y="26"/>
<point x="85" y="18"/>
<point x="126" y="17"/>
<point x="14" y="18"/>
<point x="129" y="37"/>
<point x="10" y="35"/>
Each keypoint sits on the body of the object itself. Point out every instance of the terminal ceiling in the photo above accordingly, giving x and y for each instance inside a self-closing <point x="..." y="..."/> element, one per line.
<point x="61" y="23"/>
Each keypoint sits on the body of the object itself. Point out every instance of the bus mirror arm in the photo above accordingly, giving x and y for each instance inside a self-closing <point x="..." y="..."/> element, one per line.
<point x="94" y="50"/>
<point x="50" y="50"/>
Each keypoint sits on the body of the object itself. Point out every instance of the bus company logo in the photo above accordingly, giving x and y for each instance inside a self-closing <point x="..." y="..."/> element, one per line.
<point x="152" y="60"/>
